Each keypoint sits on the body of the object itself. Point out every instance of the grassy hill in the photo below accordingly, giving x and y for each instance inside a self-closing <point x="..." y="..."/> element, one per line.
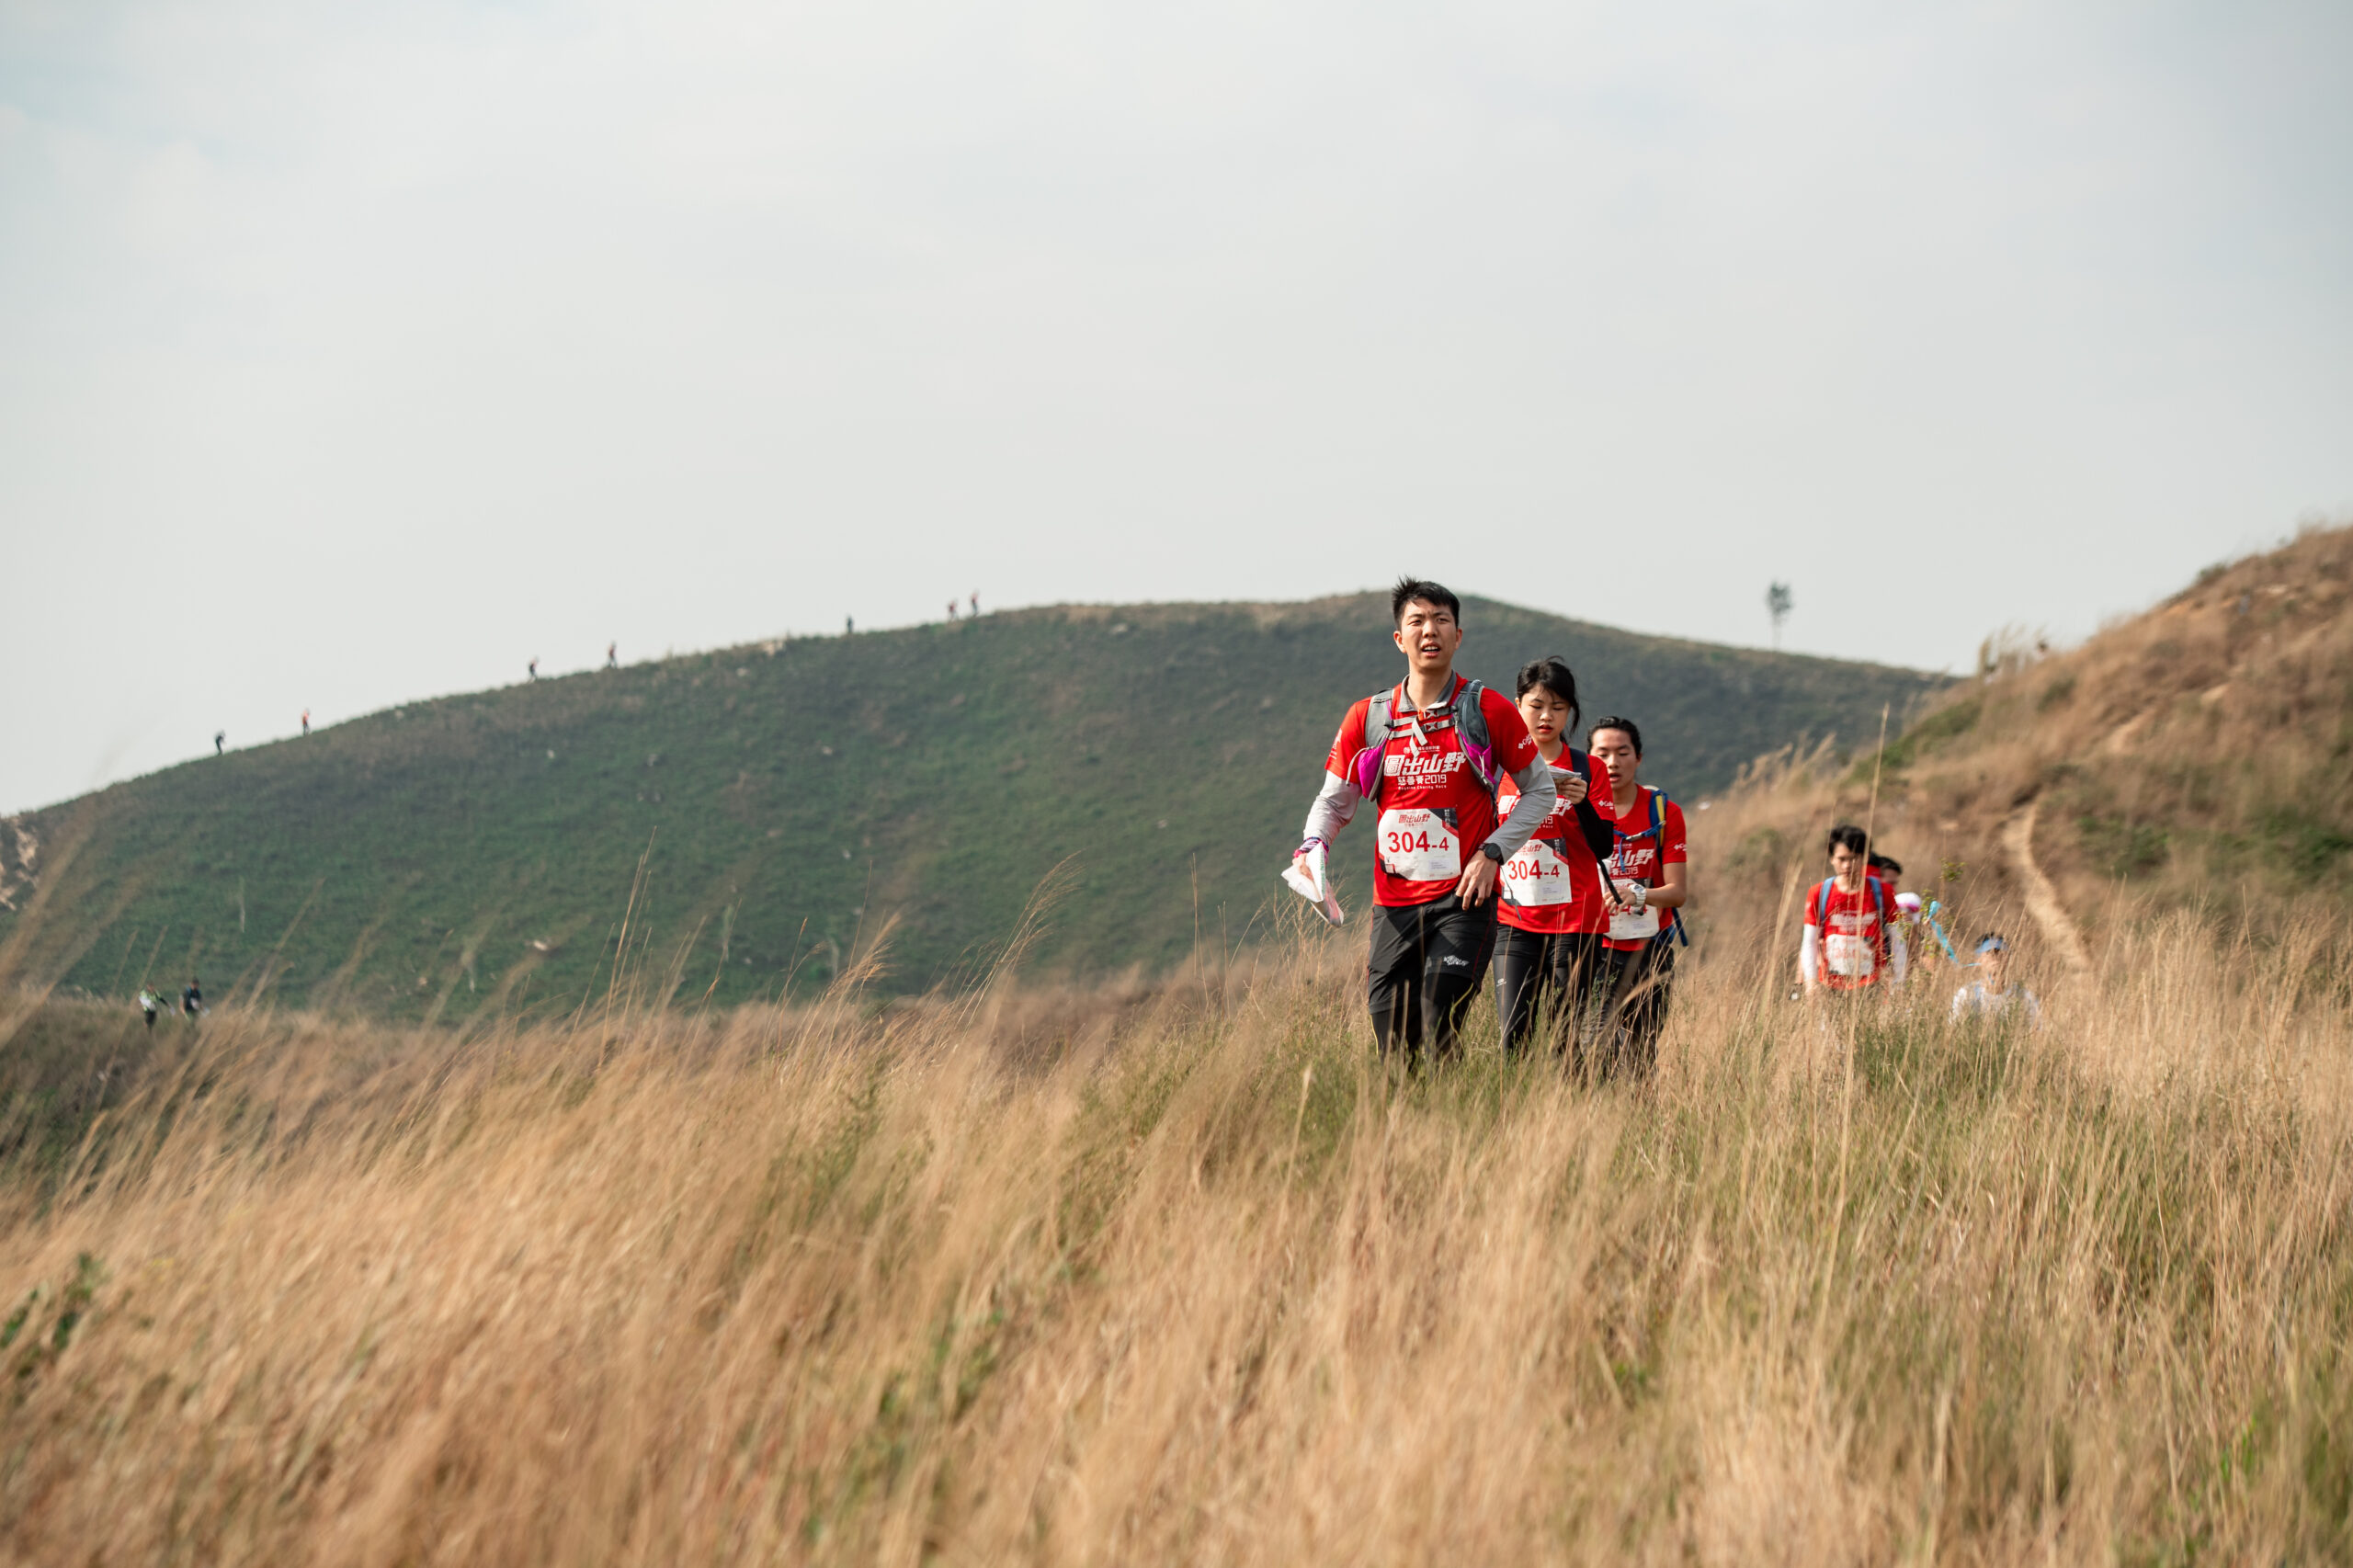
<point x="2196" y="758"/>
<point x="785" y="798"/>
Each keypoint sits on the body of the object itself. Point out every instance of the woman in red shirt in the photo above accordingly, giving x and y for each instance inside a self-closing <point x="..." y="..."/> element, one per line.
<point x="1551" y="914"/>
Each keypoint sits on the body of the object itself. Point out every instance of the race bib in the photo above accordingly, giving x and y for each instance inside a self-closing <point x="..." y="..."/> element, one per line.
<point x="1537" y="878"/>
<point x="1850" y="958"/>
<point x="1626" y="925"/>
<point x="1418" y="846"/>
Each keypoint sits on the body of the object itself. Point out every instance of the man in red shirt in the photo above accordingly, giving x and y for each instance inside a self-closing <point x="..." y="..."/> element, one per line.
<point x="1428" y="754"/>
<point x="1849" y="943"/>
<point x="1649" y="872"/>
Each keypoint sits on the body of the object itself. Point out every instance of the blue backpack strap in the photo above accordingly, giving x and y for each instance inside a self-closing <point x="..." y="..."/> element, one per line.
<point x="1658" y="837"/>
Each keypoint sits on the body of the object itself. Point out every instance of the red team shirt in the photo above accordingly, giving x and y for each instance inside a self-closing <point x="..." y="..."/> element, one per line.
<point x="1434" y="811"/>
<point x="1554" y="885"/>
<point x="1640" y="857"/>
<point x="1855" y="952"/>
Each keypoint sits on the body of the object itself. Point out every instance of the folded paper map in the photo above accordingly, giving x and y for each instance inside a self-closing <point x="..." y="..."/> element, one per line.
<point x="1305" y="877"/>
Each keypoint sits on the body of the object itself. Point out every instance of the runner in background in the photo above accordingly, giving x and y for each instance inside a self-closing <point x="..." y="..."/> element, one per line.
<point x="1650" y="869"/>
<point x="191" y="998"/>
<point x="1849" y="943"/>
<point x="150" y="1003"/>
<point x="1428" y="753"/>
<point x="306" y="721"/>
<point x="1988" y="995"/>
<point x="1548" y="946"/>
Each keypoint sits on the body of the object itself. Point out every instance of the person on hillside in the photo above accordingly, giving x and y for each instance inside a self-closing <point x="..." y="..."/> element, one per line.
<point x="219" y="742"/>
<point x="1991" y="995"/>
<point x="612" y="655"/>
<point x="306" y="721"/>
<point x="535" y="666"/>
<point x="191" y="999"/>
<point x="976" y="601"/>
<point x="1551" y="914"/>
<point x="951" y="610"/>
<point x="150" y="1003"/>
<point x="1850" y="942"/>
<point x="1649" y="882"/>
<point x="1429" y="752"/>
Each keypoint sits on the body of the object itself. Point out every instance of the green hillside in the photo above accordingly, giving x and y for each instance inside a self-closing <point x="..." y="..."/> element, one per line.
<point x="465" y="851"/>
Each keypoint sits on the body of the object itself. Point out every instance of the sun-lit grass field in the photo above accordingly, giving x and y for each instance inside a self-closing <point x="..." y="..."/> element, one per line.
<point x="1181" y="1275"/>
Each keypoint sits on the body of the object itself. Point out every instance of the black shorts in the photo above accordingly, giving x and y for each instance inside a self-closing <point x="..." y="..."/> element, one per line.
<point x="1428" y="963"/>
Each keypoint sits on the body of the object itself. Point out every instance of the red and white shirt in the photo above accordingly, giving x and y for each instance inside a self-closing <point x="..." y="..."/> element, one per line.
<point x="1643" y="856"/>
<point x="1852" y="929"/>
<point x="1435" y="809"/>
<point x="1554" y="885"/>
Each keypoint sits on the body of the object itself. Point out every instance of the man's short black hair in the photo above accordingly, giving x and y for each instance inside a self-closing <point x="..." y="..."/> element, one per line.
<point x="1408" y="589"/>
<point x="1615" y="722"/>
<point x="1850" y="835"/>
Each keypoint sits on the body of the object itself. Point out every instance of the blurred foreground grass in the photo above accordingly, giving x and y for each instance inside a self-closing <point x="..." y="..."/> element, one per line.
<point x="1180" y="1274"/>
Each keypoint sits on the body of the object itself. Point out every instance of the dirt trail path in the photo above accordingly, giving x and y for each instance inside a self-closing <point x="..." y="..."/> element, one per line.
<point x="2041" y="898"/>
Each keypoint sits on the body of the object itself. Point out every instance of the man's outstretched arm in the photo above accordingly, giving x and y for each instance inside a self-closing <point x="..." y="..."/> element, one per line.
<point x="1334" y="808"/>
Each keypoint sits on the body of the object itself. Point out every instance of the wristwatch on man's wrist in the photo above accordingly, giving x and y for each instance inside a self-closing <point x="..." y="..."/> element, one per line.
<point x="1492" y="851"/>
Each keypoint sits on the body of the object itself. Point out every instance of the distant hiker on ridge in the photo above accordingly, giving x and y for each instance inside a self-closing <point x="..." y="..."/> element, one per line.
<point x="951" y="610"/>
<point x="535" y="666"/>
<point x="306" y="721"/>
<point x="191" y="998"/>
<point x="220" y="739"/>
<point x="849" y="627"/>
<point x="976" y="601"/>
<point x="612" y="655"/>
<point x="148" y="1003"/>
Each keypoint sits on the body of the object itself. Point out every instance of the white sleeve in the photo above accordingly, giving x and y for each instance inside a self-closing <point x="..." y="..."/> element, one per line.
<point x="1810" y="953"/>
<point x="1335" y="805"/>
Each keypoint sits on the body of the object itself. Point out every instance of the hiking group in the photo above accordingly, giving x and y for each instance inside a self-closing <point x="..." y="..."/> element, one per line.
<point x="1501" y="845"/>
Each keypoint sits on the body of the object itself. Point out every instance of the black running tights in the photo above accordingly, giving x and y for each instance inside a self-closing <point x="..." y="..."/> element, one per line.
<point x="1546" y="982"/>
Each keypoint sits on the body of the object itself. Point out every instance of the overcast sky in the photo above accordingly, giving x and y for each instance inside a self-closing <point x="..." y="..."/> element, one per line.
<point x="350" y="352"/>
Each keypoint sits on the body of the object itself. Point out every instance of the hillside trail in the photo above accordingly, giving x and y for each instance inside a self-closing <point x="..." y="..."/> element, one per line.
<point x="2041" y="898"/>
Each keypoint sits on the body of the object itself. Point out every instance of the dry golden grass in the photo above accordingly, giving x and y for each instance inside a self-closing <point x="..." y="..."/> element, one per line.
<point x="1182" y="1277"/>
<point x="2200" y="757"/>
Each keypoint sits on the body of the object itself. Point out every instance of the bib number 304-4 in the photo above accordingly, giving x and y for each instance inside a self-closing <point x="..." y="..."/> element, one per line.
<point x="1537" y="877"/>
<point x="1418" y="846"/>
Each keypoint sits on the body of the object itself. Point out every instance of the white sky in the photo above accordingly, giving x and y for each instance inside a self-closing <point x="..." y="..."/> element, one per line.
<point x="351" y="353"/>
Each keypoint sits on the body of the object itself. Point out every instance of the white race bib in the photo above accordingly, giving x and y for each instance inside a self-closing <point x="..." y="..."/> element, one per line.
<point x="1850" y="958"/>
<point x="1418" y="846"/>
<point x="1628" y="927"/>
<point x="1536" y="877"/>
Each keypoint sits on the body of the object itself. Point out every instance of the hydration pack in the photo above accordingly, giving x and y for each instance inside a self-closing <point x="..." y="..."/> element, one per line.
<point x="1470" y="721"/>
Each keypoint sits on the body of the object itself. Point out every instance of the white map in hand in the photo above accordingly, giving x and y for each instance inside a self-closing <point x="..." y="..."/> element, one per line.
<point x="1305" y="877"/>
